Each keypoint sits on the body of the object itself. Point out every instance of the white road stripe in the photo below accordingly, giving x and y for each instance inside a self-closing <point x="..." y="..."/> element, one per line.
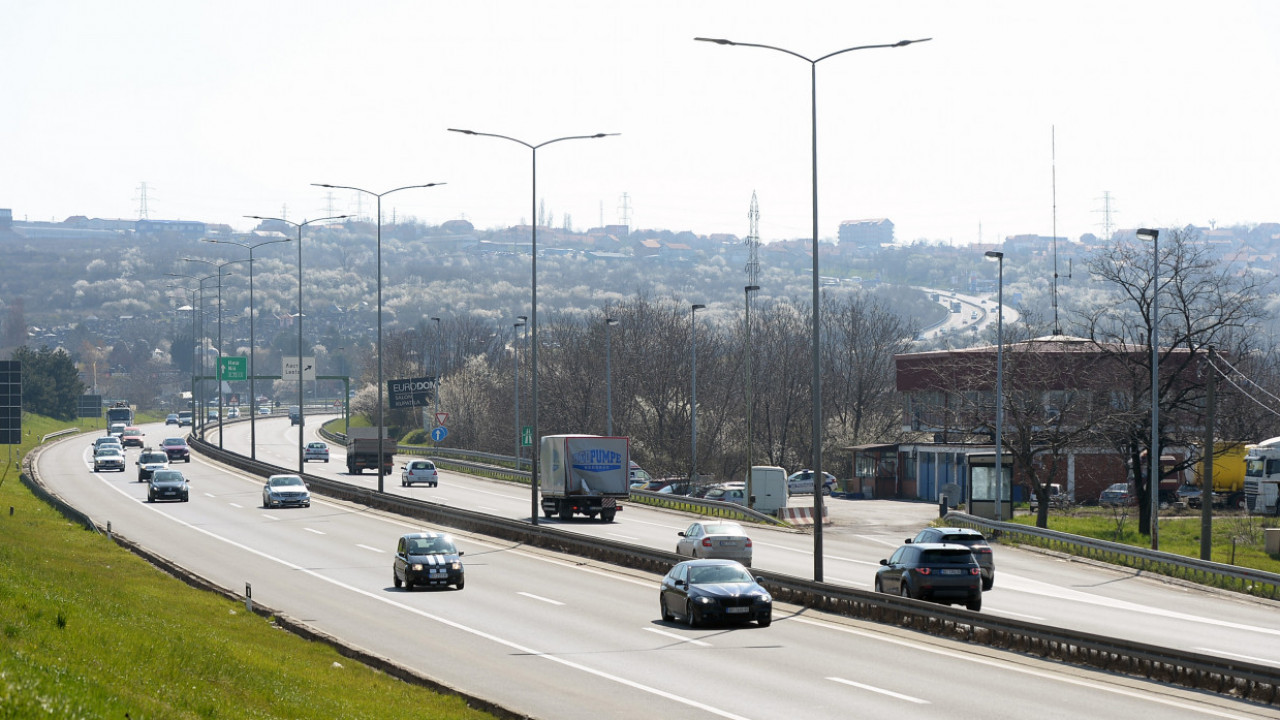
<point x="882" y="691"/>
<point x="1010" y="612"/>
<point x="1265" y="661"/>
<point x="632" y="537"/>
<point x="681" y="638"/>
<point x="549" y="601"/>
<point x="269" y="517"/>
<point x="313" y="530"/>
<point x="237" y="505"/>
<point x="369" y="547"/>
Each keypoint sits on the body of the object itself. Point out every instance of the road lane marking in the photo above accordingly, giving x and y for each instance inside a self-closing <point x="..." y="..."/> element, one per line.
<point x="270" y="517"/>
<point x="313" y="530"/>
<point x="549" y="601"/>
<point x="369" y="547"/>
<point x="1265" y="661"/>
<point x="1036" y="618"/>
<point x="882" y="691"/>
<point x="681" y="638"/>
<point x="846" y="581"/>
<point x="626" y="537"/>
<point x="234" y="505"/>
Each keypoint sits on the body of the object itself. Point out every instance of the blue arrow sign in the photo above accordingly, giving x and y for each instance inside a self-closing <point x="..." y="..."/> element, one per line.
<point x="439" y="433"/>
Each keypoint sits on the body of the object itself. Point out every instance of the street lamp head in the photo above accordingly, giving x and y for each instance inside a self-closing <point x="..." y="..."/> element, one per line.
<point x="464" y="132"/>
<point x="751" y="288"/>
<point x="610" y="321"/>
<point x="522" y="318"/>
<point x="994" y="255"/>
<point x="1148" y="234"/>
<point x="904" y="43"/>
<point x="697" y="307"/>
<point x="718" y="41"/>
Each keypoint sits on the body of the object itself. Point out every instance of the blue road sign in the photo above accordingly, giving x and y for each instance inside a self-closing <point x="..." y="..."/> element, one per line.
<point x="439" y="433"/>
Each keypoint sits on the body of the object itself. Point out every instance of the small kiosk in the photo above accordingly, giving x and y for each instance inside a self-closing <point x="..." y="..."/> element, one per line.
<point x="982" y="486"/>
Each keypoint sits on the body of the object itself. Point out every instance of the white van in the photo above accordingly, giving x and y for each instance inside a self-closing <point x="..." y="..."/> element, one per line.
<point x="769" y="486"/>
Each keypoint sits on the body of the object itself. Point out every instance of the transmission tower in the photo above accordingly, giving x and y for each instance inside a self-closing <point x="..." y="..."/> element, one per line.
<point x="1108" y="210"/>
<point x="624" y="211"/>
<point x="753" y="242"/>
<point x="143" y="212"/>
<point x="329" y="209"/>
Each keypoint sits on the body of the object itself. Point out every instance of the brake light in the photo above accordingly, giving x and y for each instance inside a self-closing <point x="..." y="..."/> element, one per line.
<point x="748" y="542"/>
<point x="924" y="570"/>
<point x="706" y="542"/>
<point x="974" y="571"/>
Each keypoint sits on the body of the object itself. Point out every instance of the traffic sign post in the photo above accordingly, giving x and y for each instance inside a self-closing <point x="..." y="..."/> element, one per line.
<point x="439" y="433"/>
<point x="526" y="436"/>
<point x="233" y="368"/>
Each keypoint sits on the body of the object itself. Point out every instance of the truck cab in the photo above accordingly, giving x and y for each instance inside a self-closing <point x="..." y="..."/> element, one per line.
<point x="1262" y="478"/>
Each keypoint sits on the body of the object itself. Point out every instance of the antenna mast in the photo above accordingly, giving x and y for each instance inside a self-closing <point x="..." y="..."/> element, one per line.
<point x="753" y="242"/>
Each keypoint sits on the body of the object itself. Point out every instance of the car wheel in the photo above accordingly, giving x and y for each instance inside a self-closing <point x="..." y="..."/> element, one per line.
<point x="607" y="515"/>
<point x="987" y="583"/>
<point x="904" y="590"/>
<point x="974" y="604"/>
<point x="662" y="608"/>
<point x="395" y="579"/>
<point x="460" y="584"/>
<point x="879" y="586"/>
<point x="765" y="620"/>
<point x="691" y="615"/>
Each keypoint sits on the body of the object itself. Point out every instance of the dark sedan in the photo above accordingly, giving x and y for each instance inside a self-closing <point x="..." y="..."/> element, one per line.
<point x="705" y="591"/>
<point x="427" y="559"/>
<point x="167" y="485"/>
<point x="176" y="448"/>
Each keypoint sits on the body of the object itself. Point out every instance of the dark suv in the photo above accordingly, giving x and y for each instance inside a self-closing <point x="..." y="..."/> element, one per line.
<point x="971" y="539"/>
<point x="933" y="571"/>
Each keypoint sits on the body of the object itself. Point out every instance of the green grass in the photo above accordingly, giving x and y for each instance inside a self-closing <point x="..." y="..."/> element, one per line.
<point x="87" y="629"/>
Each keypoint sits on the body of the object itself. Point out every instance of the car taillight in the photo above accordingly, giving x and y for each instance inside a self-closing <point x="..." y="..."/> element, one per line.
<point x="706" y="542"/>
<point x="974" y="571"/>
<point x="748" y="542"/>
<point x="925" y="571"/>
<point x="984" y="549"/>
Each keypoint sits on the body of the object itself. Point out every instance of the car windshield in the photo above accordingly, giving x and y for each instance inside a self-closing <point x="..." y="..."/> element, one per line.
<point x="946" y="557"/>
<point x="174" y="441"/>
<point x="287" y="480"/>
<point x="718" y="574"/>
<point x="167" y="476"/>
<point x="431" y="546"/>
<point x="108" y="450"/>
<point x="962" y="539"/>
<point x="155" y="458"/>
<point x="724" y="529"/>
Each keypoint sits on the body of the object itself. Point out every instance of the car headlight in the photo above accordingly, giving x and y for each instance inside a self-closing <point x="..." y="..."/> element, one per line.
<point x="764" y="599"/>
<point x="455" y="566"/>
<point x="417" y="567"/>
<point x="703" y="600"/>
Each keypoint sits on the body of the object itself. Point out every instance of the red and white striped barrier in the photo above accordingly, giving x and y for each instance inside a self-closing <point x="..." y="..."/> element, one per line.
<point x="800" y="515"/>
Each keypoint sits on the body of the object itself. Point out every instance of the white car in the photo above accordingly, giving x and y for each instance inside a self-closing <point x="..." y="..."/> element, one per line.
<point x="419" y="471"/>
<point x="715" y="539"/>
<point x="108" y="457"/>
<point x="233" y="413"/>
<point x="150" y="461"/>
<point x="282" y="490"/>
<point x="801" y="483"/>
<point x="316" y="451"/>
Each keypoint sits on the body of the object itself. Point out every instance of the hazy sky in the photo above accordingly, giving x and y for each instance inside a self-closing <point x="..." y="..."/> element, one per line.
<point x="233" y="108"/>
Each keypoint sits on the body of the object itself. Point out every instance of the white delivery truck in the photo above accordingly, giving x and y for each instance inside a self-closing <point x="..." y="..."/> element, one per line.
<point x="584" y="475"/>
<point x="769" y="486"/>
<point x="1262" y="477"/>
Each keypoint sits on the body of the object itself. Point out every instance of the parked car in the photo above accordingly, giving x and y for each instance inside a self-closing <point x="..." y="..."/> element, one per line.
<point x="171" y="419"/>
<point x="707" y="590"/>
<point x="971" y="539"/>
<point x="933" y="571"/>
<point x="1117" y="494"/>
<point x="132" y="437"/>
<point x="732" y="492"/>
<point x="419" y="471"/>
<point x="282" y="490"/>
<point x="168" y="485"/>
<point x="150" y="461"/>
<point x="1057" y="497"/>
<point x="1190" y="494"/>
<point x="715" y="539"/>
<point x="427" y="559"/>
<point x="108" y="457"/>
<point x="316" y="450"/>
<point x="211" y="415"/>
<point x="801" y="483"/>
<point x="176" y="448"/>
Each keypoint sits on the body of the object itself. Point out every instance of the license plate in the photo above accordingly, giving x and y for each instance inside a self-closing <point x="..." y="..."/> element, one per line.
<point x="436" y="574"/>
<point x="728" y="543"/>
<point x="952" y="572"/>
<point x="735" y="610"/>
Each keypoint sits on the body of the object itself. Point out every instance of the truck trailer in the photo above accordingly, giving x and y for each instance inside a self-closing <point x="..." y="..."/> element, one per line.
<point x="584" y="475"/>
<point x="362" y="451"/>
<point x="1228" y="477"/>
<point x="1262" y="477"/>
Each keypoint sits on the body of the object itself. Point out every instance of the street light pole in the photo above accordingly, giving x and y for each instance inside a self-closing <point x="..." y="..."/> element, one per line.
<point x="382" y="428"/>
<point x="533" y="358"/>
<point x="218" y="368"/>
<point x="253" y="394"/>
<point x="693" y="403"/>
<point x="1153" y="478"/>
<point x="435" y="382"/>
<point x="302" y="423"/>
<point x="515" y="370"/>
<point x="192" y="308"/>
<point x="999" y="258"/>
<point x="608" y="376"/>
<point x="750" y="407"/>
<point x="816" y="383"/>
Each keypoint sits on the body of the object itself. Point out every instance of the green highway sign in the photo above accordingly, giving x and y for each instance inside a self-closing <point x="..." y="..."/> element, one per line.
<point x="233" y="368"/>
<point x="526" y="436"/>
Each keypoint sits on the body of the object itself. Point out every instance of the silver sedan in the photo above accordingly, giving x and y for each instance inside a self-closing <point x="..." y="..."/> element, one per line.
<point x="715" y="539"/>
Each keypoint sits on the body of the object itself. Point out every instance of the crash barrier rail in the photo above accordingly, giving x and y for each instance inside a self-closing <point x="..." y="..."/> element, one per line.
<point x="58" y="433"/>
<point x="1244" y="680"/>
<point x="703" y="506"/>
<point x="29" y="478"/>
<point x="497" y="462"/>
<point x="1246" y="580"/>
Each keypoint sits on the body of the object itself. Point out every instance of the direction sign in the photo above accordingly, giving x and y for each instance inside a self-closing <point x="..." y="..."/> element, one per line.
<point x="526" y="436"/>
<point x="290" y="369"/>
<point x="440" y="433"/>
<point x="233" y="368"/>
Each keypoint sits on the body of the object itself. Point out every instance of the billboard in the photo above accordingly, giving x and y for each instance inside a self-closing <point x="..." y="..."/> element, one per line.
<point x="410" y="392"/>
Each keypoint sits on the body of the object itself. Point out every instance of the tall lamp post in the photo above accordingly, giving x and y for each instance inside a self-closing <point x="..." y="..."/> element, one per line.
<point x="382" y="428"/>
<point x="302" y="423"/>
<point x="1153" y="478"/>
<point x="998" y="257"/>
<point x="218" y="368"/>
<point x="253" y="393"/>
<point x="693" y="401"/>
<point x="608" y="376"/>
<point x="750" y="407"/>
<point x="533" y="357"/>
<point x="192" y="307"/>
<point x="435" y="382"/>
<point x="515" y="369"/>
<point x="195" y="333"/>
<point x="817" y="378"/>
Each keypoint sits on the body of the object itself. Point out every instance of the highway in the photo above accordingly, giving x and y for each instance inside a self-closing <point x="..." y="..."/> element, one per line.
<point x="557" y="637"/>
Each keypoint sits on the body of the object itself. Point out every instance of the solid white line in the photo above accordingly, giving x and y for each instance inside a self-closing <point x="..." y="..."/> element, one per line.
<point x="849" y="582"/>
<point x="1266" y="661"/>
<point x="313" y="530"/>
<point x="1015" y="614"/>
<point x="549" y="601"/>
<point x="882" y="691"/>
<point x="369" y="547"/>
<point x="681" y="638"/>
<point x="633" y="537"/>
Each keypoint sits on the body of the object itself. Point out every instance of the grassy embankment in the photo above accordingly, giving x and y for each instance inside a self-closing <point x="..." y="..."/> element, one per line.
<point x="87" y="629"/>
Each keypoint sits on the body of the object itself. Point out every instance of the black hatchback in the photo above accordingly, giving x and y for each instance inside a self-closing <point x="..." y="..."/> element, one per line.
<point x="969" y="538"/>
<point x="933" y="571"/>
<point x="427" y="559"/>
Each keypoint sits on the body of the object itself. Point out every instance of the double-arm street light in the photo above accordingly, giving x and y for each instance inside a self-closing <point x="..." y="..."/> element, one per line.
<point x="253" y="392"/>
<point x="192" y="307"/>
<point x="218" y="368"/>
<point x="533" y="357"/>
<point x="693" y="401"/>
<point x="382" y="428"/>
<point x="302" y="440"/>
<point x="998" y="257"/>
<point x="817" y="378"/>
<point x="750" y="407"/>
<point x="1153" y="479"/>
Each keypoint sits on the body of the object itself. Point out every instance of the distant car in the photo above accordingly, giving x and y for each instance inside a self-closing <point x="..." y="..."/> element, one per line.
<point x="732" y="492"/>
<point x="115" y="428"/>
<point x="150" y="461"/>
<point x="212" y="414"/>
<point x="427" y="559"/>
<point x="1057" y="498"/>
<point x="171" y="419"/>
<point x="1116" y="494"/>
<point x="233" y="413"/>
<point x="1190" y="494"/>
<point x="801" y="483"/>
<point x="168" y="485"/>
<point x="637" y="475"/>
<point x="419" y="471"/>
<point x="715" y="539"/>
<point x="184" y="418"/>
<point x="704" y="591"/>
<point x="282" y="490"/>
<point x="933" y="571"/>
<point x="971" y="539"/>
<point x="316" y="450"/>
<point x="108" y="440"/>
<point x="108" y="457"/>
<point x="264" y="410"/>
<point x="132" y="437"/>
<point x="176" y="448"/>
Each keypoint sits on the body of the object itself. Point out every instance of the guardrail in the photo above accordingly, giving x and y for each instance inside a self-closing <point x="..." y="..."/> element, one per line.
<point x="1244" y="680"/>
<point x="1246" y="580"/>
<point x="58" y="433"/>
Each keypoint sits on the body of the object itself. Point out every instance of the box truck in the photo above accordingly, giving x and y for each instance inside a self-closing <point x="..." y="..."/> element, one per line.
<point x="583" y="475"/>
